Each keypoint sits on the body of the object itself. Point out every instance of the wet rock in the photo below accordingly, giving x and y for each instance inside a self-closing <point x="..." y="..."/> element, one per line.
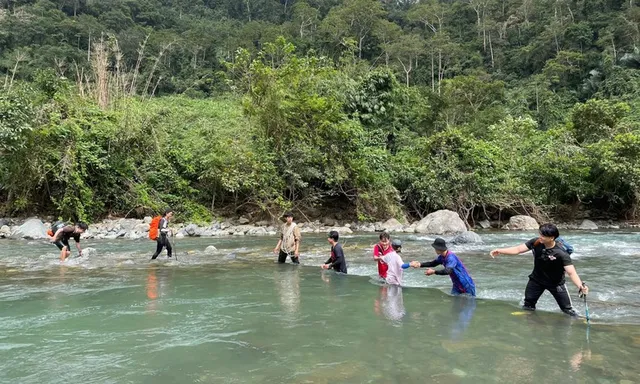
<point x="522" y="223"/>
<point x="128" y="224"/>
<point x="257" y="231"/>
<point x="329" y="222"/>
<point x="392" y="225"/>
<point x="179" y="235"/>
<point x="410" y="228"/>
<point x="32" y="229"/>
<point x="210" y="249"/>
<point x="441" y="222"/>
<point x="147" y="219"/>
<point x="243" y="220"/>
<point x="239" y="233"/>
<point x="467" y="237"/>
<point x="141" y="228"/>
<point x="4" y="222"/>
<point x="588" y="225"/>
<point x="263" y="223"/>
<point x="341" y="230"/>
<point x="485" y="224"/>
<point x="5" y="231"/>
<point x="367" y="227"/>
<point x="192" y="230"/>
<point x="89" y="252"/>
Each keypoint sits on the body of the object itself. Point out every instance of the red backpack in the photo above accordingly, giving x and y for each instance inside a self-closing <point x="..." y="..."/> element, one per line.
<point x="153" y="227"/>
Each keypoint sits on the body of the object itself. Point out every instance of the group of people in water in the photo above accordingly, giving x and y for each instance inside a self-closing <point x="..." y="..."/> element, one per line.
<point x="551" y="259"/>
<point x="551" y="262"/>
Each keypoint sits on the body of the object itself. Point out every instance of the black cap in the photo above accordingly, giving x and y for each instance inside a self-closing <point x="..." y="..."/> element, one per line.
<point x="395" y="244"/>
<point x="287" y="214"/>
<point x="439" y="244"/>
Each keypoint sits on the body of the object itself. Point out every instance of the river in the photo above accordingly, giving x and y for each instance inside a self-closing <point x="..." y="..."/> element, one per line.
<point x="235" y="316"/>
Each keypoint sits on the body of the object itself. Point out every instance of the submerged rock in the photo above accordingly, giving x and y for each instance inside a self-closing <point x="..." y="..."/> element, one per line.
<point x="467" y="237"/>
<point x="210" y="249"/>
<point x="485" y="224"/>
<point x="89" y="252"/>
<point x="441" y="222"/>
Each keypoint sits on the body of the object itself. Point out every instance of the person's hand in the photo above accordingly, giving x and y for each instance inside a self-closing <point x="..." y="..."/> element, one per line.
<point x="584" y="290"/>
<point x="275" y="250"/>
<point x="325" y="266"/>
<point x="415" y="264"/>
<point x="430" y="271"/>
<point x="494" y="253"/>
<point x="79" y="253"/>
<point x="297" y="254"/>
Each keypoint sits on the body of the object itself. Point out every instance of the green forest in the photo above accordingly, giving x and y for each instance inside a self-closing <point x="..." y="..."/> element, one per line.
<point x="367" y="108"/>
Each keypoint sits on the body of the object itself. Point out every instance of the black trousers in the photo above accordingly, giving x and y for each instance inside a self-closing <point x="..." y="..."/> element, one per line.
<point x="534" y="290"/>
<point x="282" y="257"/>
<point x="163" y="242"/>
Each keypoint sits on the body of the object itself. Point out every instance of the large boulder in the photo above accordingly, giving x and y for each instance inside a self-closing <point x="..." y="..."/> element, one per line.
<point x="392" y="225"/>
<point x="192" y="230"/>
<point x="467" y="237"/>
<point x="341" y="230"/>
<point x="210" y="249"/>
<point x="258" y="231"/>
<point x="243" y="220"/>
<point x="31" y="229"/>
<point x="588" y="225"/>
<point x="441" y="222"/>
<point x="329" y="222"/>
<point x="522" y="223"/>
<point x="5" y="231"/>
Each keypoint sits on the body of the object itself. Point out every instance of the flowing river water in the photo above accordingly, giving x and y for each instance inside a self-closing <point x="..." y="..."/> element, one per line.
<point x="236" y="316"/>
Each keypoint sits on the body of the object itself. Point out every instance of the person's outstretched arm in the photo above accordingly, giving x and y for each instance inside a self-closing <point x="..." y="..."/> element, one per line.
<point x="518" y="249"/>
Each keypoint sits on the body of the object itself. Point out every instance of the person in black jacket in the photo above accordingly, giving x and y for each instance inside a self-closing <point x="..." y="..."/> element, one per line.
<point x="336" y="261"/>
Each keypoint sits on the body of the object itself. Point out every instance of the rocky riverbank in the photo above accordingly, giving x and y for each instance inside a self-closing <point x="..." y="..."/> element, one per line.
<point x="437" y="223"/>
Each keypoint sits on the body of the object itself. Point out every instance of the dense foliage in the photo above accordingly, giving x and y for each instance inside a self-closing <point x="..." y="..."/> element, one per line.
<point x="366" y="107"/>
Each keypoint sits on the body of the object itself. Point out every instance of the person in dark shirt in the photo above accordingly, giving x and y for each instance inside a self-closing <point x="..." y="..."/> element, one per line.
<point x="65" y="233"/>
<point x="336" y="261"/>
<point x="163" y="235"/>
<point x="462" y="282"/>
<point x="550" y="263"/>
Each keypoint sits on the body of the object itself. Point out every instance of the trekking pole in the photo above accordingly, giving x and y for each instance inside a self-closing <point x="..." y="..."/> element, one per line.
<point x="174" y="247"/>
<point x="586" y="306"/>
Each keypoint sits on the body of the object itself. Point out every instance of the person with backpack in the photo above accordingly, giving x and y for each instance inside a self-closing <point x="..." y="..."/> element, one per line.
<point x="60" y="234"/>
<point x="289" y="243"/>
<point x="551" y="261"/>
<point x="159" y="228"/>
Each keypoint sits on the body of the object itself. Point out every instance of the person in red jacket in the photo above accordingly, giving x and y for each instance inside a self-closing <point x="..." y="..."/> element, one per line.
<point x="382" y="249"/>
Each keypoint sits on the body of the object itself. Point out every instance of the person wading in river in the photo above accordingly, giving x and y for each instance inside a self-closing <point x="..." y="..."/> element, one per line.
<point x="289" y="243"/>
<point x="550" y="263"/>
<point x="381" y="249"/>
<point x="336" y="261"/>
<point x="462" y="282"/>
<point x="163" y="237"/>
<point x="64" y="233"/>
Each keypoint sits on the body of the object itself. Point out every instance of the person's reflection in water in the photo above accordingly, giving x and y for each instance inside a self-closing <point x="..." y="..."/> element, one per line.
<point x="463" y="307"/>
<point x="390" y="303"/>
<point x="151" y="288"/>
<point x="288" y="285"/>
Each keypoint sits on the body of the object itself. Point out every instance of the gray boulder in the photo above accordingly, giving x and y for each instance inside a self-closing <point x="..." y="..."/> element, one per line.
<point x="522" y="223"/>
<point x="485" y="224"/>
<point x="441" y="222"/>
<point x="32" y="229"/>
<point x="329" y="222"/>
<point x="147" y="219"/>
<point x="5" y="231"/>
<point x="243" y="220"/>
<point x="467" y="237"/>
<point x="210" y="249"/>
<point x="192" y="230"/>
<point x="588" y="225"/>
<point x="257" y="231"/>
<point x="341" y="230"/>
<point x="392" y="225"/>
